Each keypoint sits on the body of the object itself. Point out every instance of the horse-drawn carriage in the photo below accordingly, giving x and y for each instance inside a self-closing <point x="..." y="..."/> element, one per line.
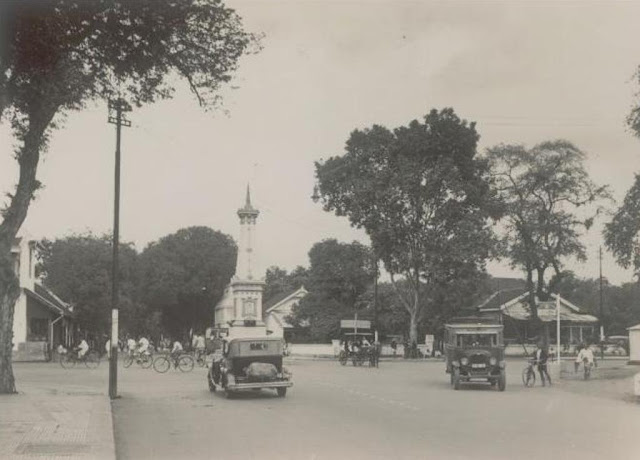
<point x="357" y="348"/>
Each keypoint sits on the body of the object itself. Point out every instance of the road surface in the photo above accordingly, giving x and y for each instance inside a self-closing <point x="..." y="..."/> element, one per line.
<point x="401" y="410"/>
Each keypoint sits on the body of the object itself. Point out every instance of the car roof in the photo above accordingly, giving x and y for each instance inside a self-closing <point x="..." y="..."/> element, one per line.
<point x="255" y="339"/>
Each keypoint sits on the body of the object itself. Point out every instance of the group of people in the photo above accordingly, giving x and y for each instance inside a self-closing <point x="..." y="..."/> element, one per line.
<point x="541" y="356"/>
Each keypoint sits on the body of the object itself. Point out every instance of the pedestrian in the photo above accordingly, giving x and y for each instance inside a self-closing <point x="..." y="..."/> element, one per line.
<point x="394" y="347"/>
<point x="576" y="364"/>
<point x="541" y="355"/>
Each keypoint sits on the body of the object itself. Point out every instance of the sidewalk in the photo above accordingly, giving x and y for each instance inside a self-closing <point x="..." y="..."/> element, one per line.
<point x="47" y="423"/>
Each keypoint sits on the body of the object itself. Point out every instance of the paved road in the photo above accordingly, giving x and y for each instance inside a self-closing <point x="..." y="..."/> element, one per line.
<point x="402" y="410"/>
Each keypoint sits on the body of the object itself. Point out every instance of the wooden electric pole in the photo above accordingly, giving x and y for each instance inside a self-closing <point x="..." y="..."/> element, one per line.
<point x="116" y="107"/>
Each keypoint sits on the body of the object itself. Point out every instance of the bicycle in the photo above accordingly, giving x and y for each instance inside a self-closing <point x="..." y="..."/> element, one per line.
<point x="144" y="360"/>
<point x="529" y="374"/>
<point x="91" y="359"/>
<point x="200" y="358"/>
<point x="183" y="362"/>
<point x="587" y="368"/>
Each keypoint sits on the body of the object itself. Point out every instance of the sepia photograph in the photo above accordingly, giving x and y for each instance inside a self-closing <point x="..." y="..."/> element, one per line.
<point x="320" y="229"/>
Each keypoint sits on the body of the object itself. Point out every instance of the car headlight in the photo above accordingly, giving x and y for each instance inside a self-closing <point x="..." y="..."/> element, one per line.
<point x="464" y="361"/>
<point x="493" y="361"/>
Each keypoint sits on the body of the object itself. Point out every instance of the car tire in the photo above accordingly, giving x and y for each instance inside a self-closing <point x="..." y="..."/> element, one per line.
<point x="456" y="379"/>
<point x="502" y="381"/>
<point x="282" y="392"/>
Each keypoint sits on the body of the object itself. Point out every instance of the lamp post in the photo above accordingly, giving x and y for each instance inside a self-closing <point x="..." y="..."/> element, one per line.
<point x="116" y="107"/>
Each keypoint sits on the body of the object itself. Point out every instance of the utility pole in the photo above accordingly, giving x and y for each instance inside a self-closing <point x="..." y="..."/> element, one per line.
<point x="117" y="107"/>
<point x="375" y="299"/>
<point x="601" y="309"/>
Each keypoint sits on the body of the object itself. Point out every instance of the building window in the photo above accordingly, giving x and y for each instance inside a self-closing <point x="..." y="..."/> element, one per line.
<point x="38" y="329"/>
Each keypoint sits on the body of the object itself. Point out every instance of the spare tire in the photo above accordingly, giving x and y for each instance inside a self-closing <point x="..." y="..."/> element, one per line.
<point x="260" y="372"/>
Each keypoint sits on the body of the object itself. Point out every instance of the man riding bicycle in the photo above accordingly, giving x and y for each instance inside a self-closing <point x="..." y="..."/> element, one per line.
<point x="82" y="348"/>
<point x="176" y="351"/>
<point x="586" y="357"/>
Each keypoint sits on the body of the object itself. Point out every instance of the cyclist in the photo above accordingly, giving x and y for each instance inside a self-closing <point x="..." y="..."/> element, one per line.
<point x="586" y="356"/>
<point x="200" y="345"/>
<point x="143" y="346"/>
<point x="82" y="348"/>
<point x="541" y="355"/>
<point x="176" y="351"/>
<point x="131" y="345"/>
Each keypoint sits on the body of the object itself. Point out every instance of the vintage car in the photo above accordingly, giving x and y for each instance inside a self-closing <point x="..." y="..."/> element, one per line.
<point x="250" y="364"/>
<point x="475" y="352"/>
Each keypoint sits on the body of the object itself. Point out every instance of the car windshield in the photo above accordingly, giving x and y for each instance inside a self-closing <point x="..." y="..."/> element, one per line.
<point x="476" y="340"/>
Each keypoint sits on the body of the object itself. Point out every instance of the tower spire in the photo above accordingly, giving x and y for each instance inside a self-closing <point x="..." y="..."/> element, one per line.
<point x="248" y="201"/>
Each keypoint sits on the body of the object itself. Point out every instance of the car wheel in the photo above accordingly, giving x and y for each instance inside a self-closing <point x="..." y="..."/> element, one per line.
<point x="502" y="381"/>
<point x="456" y="379"/>
<point x="282" y="392"/>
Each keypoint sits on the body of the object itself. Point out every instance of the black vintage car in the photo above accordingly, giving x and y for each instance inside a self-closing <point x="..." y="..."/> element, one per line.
<point x="475" y="352"/>
<point x="250" y="364"/>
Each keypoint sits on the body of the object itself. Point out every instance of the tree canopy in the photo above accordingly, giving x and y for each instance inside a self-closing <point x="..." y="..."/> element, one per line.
<point x="339" y="274"/>
<point x="78" y="269"/>
<point x="622" y="233"/>
<point x="278" y="281"/>
<point x="57" y="55"/>
<point x="183" y="275"/>
<point x="422" y="196"/>
<point x="541" y="190"/>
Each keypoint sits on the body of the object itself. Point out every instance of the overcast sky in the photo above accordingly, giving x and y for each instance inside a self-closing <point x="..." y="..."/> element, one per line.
<point x="524" y="71"/>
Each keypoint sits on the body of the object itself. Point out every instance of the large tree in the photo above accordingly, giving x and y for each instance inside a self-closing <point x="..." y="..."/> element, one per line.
<point x="622" y="234"/>
<point x="57" y="55"/>
<point x="78" y="269"/>
<point x="422" y="196"/>
<point x="339" y="274"/>
<point x="183" y="275"/>
<point x="278" y="281"/>
<point x="542" y="189"/>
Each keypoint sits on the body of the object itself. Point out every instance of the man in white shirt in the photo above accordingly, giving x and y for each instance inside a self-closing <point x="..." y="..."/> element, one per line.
<point x="83" y="348"/>
<point x="143" y="345"/>
<point x="586" y="356"/>
<point x="131" y="346"/>
<point x="177" y="349"/>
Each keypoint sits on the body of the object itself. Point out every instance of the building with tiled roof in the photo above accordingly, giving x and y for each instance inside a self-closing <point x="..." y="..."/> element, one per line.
<point x="278" y="309"/>
<point x="511" y="305"/>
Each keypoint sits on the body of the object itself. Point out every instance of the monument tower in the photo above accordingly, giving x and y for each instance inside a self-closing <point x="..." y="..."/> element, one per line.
<point x="240" y="308"/>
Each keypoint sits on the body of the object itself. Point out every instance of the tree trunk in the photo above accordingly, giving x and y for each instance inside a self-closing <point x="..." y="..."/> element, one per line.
<point x="28" y="156"/>
<point x="540" y="286"/>
<point x="9" y="293"/>
<point x="532" y="295"/>
<point x="413" y="327"/>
